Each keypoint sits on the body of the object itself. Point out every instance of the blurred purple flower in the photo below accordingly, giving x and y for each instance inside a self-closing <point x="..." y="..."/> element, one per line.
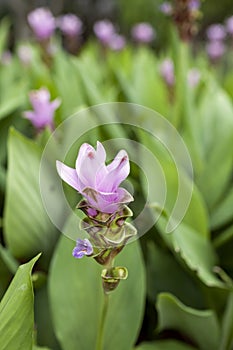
<point x="229" y="25"/>
<point x="215" y="50"/>
<point x="25" y="54"/>
<point x="117" y="42"/>
<point x="43" y="113"/>
<point x="166" y="8"/>
<point x="98" y="183"/>
<point x="42" y="23"/>
<point x="70" y="24"/>
<point x="143" y="32"/>
<point x="167" y="71"/>
<point x="83" y="247"/>
<point x="193" y="77"/>
<point x="216" y="32"/>
<point x="104" y="31"/>
<point x="194" y="5"/>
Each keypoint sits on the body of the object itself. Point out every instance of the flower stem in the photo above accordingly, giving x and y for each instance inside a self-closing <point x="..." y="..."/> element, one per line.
<point x="100" y="336"/>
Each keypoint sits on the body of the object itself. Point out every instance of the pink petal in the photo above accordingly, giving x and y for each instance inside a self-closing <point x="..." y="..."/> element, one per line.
<point x="68" y="175"/>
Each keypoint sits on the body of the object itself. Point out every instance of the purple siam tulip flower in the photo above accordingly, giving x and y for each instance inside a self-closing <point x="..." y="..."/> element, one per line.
<point x="166" y="8"/>
<point x="98" y="183"/>
<point x="70" y="25"/>
<point x="42" y="23"/>
<point x="193" y="77"/>
<point x="143" y="33"/>
<point x="117" y="42"/>
<point x="229" y="25"/>
<point x="216" y="32"/>
<point x="215" y="50"/>
<point x="43" y="112"/>
<point x="104" y="31"/>
<point x="83" y="247"/>
<point x="167" y="71"/>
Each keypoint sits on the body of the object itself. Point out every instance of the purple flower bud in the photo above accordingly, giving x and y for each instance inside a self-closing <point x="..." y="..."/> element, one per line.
<point x="43" y="112"/>
<point x="117" y="42"/>
<point x="70" y="24"/>
<point x="167" y="71"/>
<point x="194" y="5"/>
<point x="42" y="23"/>
<point x="166" y="8"/>
<point x="104" y="31"/>
<point x="216" y="32"/>
<point x="215" y="50"/>
<point x="98" y="183"/>
<point x="25" y="54"/>
<point x="143" y="33"/>
<point x="193" y="77"/>
<point x="229" y="25"/>
<point x="83" y="247"/>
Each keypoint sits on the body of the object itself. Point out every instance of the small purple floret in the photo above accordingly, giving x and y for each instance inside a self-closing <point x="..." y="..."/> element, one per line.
<point x="42" y="23"/>
<point x="143" y="33"/>
<point x="167" y="71"/>
<point x="215" y="50"/>
<point x="229" y="25"/>
<point x="166" y="8"/>
<point x="194" y="76"/>
<point x="117" y="42"/>
<point x="83" y="247"/>
<point x="194" y="5"/>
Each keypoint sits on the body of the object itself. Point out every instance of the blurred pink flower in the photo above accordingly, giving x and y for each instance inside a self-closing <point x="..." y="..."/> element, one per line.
<point x="70" y="24"/>
<point x="167" y="71"/>
<point x="117" y="42"/>
<point x="216" y="32"/>
<point x="166" y="8"/>
<point x="215" y="50"/>
<point x="193" y="77"/>
<point x="229" y="25"/>
<point x="98" y="183"/>
<point x="25" y="54"/>
<point x="104" y="31"/>
<point x="143" y="32"/>
<point x="43" y="110"/>
<point x="42" y="23"/>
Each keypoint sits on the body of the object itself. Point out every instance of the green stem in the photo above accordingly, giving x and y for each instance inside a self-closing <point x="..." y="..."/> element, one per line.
<point x="100" y="336"/>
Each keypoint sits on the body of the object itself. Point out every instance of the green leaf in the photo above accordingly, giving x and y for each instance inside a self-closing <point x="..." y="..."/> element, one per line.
<point x="200" y="326"/>
<point x="76" y="296"/>
<point x="223" y="212"/>
<point x="164" y="274"/>
<point x="164" y="345"/>
<point x="227" y="326"/>
<point x="4" y="29"/>
<point x="27" y="227"/>
<point x="16" y="311"/>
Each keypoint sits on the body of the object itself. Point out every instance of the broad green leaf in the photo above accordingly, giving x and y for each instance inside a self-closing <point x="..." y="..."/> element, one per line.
<point x="223" y="212"/>
<point x="76" y="296"/>
<point x="165" y="274"/>
<point x="200" y="326"/>
<point x="195" y="250"/>
<point x="16" y="311"/>
<point x="27" y="228"/>
<point x="227" y="326"/>
<point x="39" y="348"/>
<point x="164" y="345"/>
<point x="4" y="29"/>
<point x="215" y="124"/>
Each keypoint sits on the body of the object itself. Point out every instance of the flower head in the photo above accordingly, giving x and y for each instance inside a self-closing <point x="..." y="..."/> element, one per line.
<point x="96" y="181"/>
<point x="167" y="71"/>
<point x="166" y="8"/>
<point x="215" y="50"/>
<point x="83" y="247"/>
<point x="194" y="5"/>
<point x="117" y="42"/>
<point x="42" y="23"/>
<point x="43" y="112"/>
<point x="229" y="25"/>
<point x="70" y="24"/>
<point x="104" y="31"/>
<point x="25" y="54"/>
<point x="216" y="32"/>
<point x="143" y="32"/>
